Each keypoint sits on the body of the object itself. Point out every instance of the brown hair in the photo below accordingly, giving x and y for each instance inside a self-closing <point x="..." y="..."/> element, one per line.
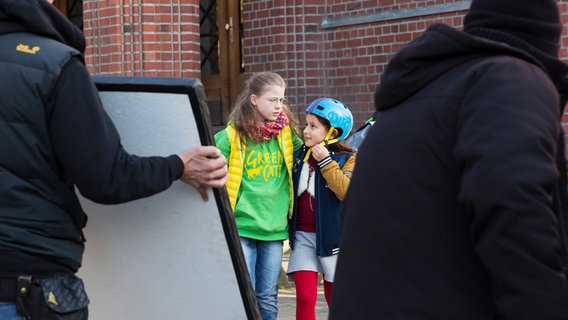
<point x="245" y="115"/>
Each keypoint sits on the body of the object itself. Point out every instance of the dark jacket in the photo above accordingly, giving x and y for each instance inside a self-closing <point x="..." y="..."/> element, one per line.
<point x="56" y="136"/>
<point x="327" y="204"/>
<point x="455" y="207"/>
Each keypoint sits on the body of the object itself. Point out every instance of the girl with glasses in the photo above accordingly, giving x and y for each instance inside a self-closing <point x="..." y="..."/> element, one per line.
<point x="259" y="142"/>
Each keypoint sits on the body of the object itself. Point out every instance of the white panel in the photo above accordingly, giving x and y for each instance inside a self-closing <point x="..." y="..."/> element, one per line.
<point x="166" y="256"/>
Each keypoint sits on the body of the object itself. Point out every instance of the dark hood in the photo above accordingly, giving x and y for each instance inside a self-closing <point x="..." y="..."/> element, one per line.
<point x="41" y="18"/>
<point x="441" y="48"/>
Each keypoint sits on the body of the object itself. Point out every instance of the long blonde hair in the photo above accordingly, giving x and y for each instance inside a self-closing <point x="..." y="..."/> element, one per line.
<point x="246" y="116"/>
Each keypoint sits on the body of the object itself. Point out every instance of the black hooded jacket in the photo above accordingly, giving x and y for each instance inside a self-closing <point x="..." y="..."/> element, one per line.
<point x="456" y="208"/>
<point x="56" y="137"/>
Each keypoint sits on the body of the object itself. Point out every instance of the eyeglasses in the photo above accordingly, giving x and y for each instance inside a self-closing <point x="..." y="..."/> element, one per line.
<point x="276" y="100"/>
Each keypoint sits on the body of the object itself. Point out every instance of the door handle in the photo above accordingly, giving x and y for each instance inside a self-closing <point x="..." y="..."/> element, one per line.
<point x="229" y="27"/>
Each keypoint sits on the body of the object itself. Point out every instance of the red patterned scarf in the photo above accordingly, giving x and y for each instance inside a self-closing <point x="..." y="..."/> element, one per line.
<point x="270" y="129"/>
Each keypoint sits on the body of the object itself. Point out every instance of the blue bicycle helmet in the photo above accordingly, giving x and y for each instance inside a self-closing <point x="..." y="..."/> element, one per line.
<point x="335" y="112"/>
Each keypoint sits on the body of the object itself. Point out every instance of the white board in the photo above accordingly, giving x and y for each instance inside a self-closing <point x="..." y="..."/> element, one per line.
<point x="171" y="255"/>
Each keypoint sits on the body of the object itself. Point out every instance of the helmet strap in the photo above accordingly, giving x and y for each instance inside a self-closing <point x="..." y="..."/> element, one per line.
<point x="325" y="142"/>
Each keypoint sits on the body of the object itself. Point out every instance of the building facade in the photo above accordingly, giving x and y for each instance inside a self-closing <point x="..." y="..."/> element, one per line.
<point x="331" y="48"/>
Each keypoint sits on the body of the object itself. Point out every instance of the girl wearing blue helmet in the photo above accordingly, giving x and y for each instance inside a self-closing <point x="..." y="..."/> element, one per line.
<point x="321" y="175"/>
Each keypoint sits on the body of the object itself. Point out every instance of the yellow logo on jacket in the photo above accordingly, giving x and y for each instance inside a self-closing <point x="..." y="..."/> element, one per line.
<point x="51" y="298"/>
<point x="26" y="49"/>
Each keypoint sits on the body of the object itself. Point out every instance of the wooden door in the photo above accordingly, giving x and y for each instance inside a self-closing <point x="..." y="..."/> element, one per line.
<point x="221" y="55"/>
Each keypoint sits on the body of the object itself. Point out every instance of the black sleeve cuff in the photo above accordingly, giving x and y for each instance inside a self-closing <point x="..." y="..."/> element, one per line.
<point x="176" y="166"/>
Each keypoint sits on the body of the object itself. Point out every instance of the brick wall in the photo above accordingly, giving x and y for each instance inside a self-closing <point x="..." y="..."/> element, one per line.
<point x="157" y="38"/>
<point x="339" y="48"/>
<point x="335" y="48"/>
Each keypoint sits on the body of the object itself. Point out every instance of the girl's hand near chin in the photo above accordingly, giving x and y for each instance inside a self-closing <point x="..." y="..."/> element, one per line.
<point x="319" y="152"/>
